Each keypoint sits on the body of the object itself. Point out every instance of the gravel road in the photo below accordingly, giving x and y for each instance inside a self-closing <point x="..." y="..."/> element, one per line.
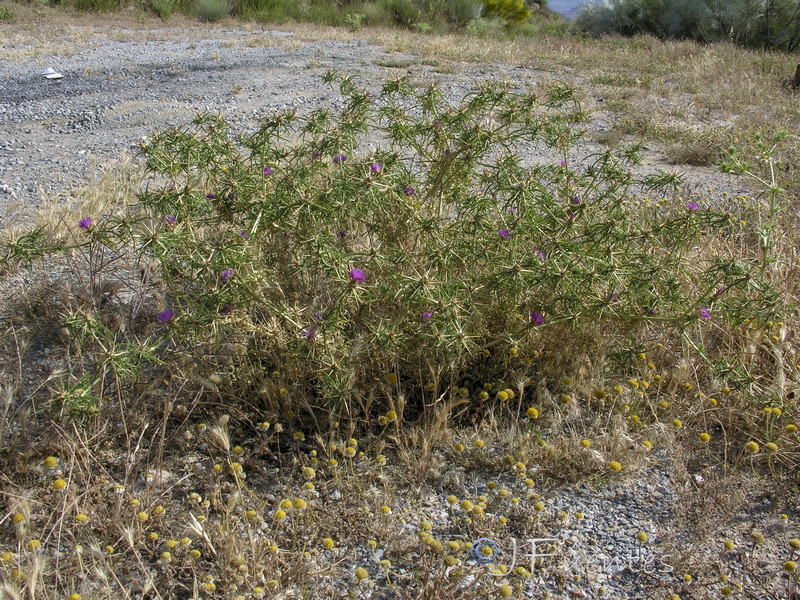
<point x="119" y="88"/>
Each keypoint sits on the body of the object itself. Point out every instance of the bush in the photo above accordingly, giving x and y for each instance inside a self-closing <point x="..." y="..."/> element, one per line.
<point x="767" y="24"/>
<point x="6" y="14"/>
<point x="404" y="12"/>
<point x="210" y="11"/>
<point x="462" y="12"/>
<point x="487" y="28"/>
<point x="511" y="11"/>
<point x="162" y="8"/>
<point x="436" y="259"/>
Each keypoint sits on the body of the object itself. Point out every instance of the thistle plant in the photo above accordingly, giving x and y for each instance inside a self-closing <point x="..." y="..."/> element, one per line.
<point x="302" y="268"/>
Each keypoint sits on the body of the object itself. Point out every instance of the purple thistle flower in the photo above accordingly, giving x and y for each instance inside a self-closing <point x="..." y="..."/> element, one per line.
<point x="165" y="316"/>
<point x="376" y="167"/>
<point x="540" y="254"/>
<point x="341" y="234"/>
<point x="426" y="316"/>
<point x="267" y="171"/>
<point x="210" y="196"/>
<point x="244" y="233"/>
<point x="504" y="233"/>
<point x="513" y="210"/>
<point x="562" y="163"/>
<point x="409" y="191"/>
<point x="447" y="151"/>
<point x="339" y="158"/>
<point x="318" y="315"/>
<point x="310" y="333"/>
<point x="692" y="206"/>
<point x="537" y="318"/>
<point x="357" y="276"/>
<point x="653" y="311"/>
<point x="85" y="223"/>
<point x="316" y="154"/>
<point x="436" y="123"/>
<point x="226" y="274"/>
<point x="705" y="313"/>
<point x="576" y="200"/>
<point x="170" y="219"/>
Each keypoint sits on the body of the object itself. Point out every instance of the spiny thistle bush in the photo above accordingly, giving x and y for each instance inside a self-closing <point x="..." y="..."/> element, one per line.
<point x="343" y="264"/>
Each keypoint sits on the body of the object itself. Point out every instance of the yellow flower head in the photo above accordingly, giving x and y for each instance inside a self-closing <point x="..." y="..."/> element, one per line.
<point x="615" y="466"/>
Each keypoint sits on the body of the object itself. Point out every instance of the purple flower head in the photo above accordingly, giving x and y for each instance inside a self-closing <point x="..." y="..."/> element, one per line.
<point x="576" y="200"/>
<point x="613" y="297"/>
<point x="357" y="276"/>
<point x="267" y="171"/>
<point x="172" y="186"/>
<point x="504" y="233"/>
<point x="210" y="196"/>
<point x="316" y="154"/>
<point x="426" y="316"/>
<point x="339" y="158"/>
<point x="318" y="315"/>
<point x="692" y="206"/>
<point x="409" y="191"/>
<point x="170" y="219"/>
<point x="341" y="234"/>
<point x="572" y="216"/>
<point x="653" y="311"/>
<point x="537" y="318"/>
<point x="226" y="274"/>
<point x="85" y="223"/>
<point x="376" y="167"/>
<point x="540" y="254"/>
<point x="513" y="210"/>
<point x="310" y="333"/>
<point x="718" y="292"/>
<point x="705" y="313"/>
<point x="562" y="163"/>
<point x="244" y="233"/>
<point x="436" y="123"/>
<point x="165" y="316"/>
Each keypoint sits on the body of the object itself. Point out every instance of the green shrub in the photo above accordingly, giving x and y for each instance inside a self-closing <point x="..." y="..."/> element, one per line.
<point x="404" y="12"/>
<point x="6" y="14"/>
<point x="210" y="11"/>
<point x="162" y="8"/>
<point x="766" y="24"/>
<point x="462" y="12"/>
<point x="354" y="21"/>
<point x="375" y="13"/>
<point x="487" y="28"/>
<point x="433" y="259"/>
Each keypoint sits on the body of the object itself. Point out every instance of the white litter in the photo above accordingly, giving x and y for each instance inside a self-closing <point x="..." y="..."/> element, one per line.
<point x="51" y="73"/>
